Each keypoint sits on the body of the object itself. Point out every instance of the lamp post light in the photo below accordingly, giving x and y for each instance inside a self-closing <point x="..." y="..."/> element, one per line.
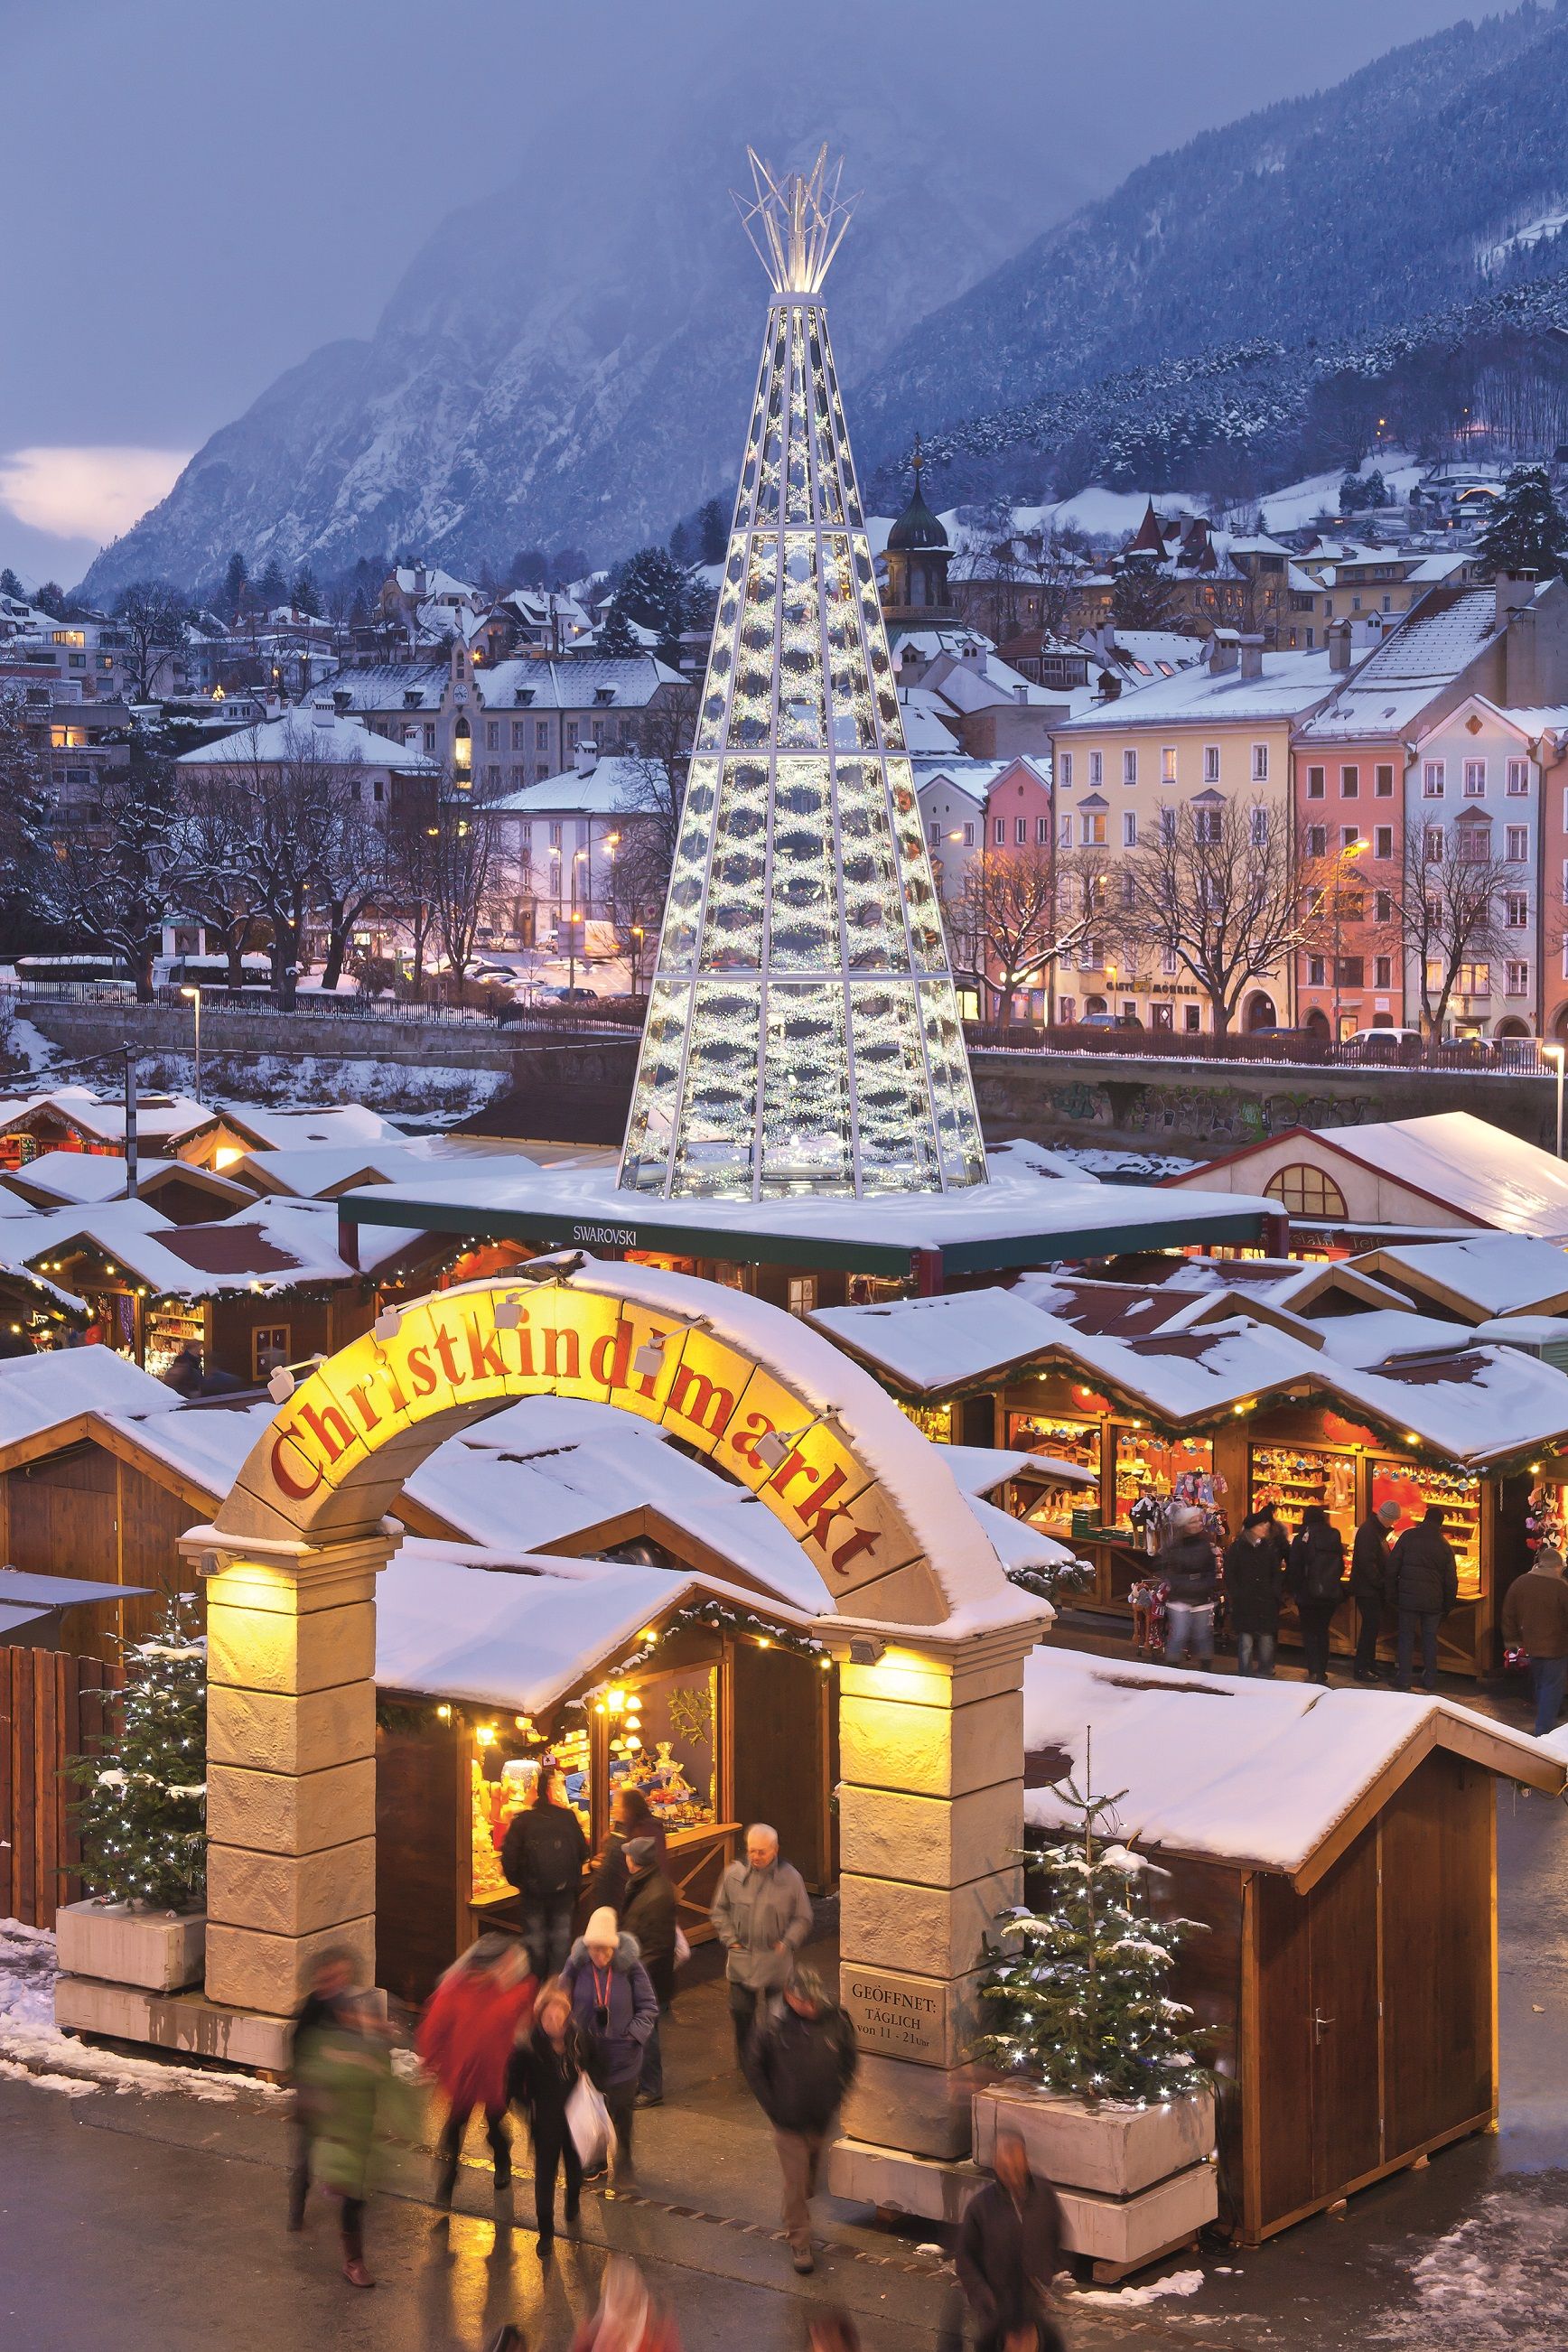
<point x="1556" y="1054"/>
<point x="579" y="857"/>
<point x="194" y="996"/>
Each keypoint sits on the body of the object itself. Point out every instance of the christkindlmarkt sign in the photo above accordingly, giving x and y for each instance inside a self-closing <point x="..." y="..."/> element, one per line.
<point x="348" y="1430"/>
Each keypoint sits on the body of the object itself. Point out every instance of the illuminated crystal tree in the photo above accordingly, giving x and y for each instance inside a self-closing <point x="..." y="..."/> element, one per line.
<point x="803" y="1032"/>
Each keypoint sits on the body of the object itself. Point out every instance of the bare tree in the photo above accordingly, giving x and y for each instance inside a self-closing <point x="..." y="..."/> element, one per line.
<point x="111" y="883"/>
<point x="152" y="616"/>
<point x="1020" y="911"/>
<point x="1447" y="911"/>
<point x="1209" y="891"/>
<point x="353" y="872"/>
<point x="412" y="860"/>
<point x="635" y="884"/>
<point x="211" y="820"/>
<point x="26" y="802"/>
<point x="657" y="769"/>
<point x="285" y="816"/>
<point x="463" y="855"/>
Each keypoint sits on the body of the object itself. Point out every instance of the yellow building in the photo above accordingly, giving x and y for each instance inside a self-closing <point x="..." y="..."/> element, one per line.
<point x="1216" y="733"/>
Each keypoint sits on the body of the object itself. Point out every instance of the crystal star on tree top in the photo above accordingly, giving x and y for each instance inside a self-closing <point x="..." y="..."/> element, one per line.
<point x="796" y="222"/>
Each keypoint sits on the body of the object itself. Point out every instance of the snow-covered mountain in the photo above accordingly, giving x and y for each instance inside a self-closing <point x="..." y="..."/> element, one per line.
<point x="1434" y="176"/>
<point x="572" y="362"/>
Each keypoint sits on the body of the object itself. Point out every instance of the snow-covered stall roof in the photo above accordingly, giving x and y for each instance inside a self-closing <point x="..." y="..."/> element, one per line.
<point x="41" y="1393"/>
<point x="69" y="1177"/>
<point x="340" y="1126"/>
<point x="506" y="1630"/>
<point x="1270" y="1774"/>
<point x="1477" y="1275"/>
<point x="1475" y="1170"/>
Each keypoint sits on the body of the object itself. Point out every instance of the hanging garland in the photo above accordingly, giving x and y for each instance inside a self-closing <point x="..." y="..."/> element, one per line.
<point x="716" y="1617"/>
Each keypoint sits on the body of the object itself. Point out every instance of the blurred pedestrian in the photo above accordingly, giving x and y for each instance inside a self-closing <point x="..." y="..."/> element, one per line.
<point x="547" y="2063"/>
<point x="1423" y="1584"/>
<point x="1186" y="1565"/>
<point x="762" y="1915"/>
<point x="465" y="2038"/>
<point x="542" y="1857"/>
<point x="647" y="1912"/>
<point x="331" y="1980"/>
<point x="1316" y="1578"/>
<point x="1535" y="1620"/>
<point x="1253" y="1586"/>
<point x="830" y="2330"/>
<point x="354" y="2102"/>
<point x="1369" y="1579"/>
<point x="800" y="2061"/>
<point x="631" y="1816"/>
<point x="614" y="2010"/>
<point x="627" y="2319"/>
<point x="1009" y="2248"/>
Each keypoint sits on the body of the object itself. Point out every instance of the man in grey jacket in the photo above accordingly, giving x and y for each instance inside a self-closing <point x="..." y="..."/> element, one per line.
<point x="761" y="1916"/>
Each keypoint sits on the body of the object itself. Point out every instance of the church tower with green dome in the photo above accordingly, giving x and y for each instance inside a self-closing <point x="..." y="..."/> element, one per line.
<point x="803" y="1035"/>
<point x="915" y="593"/>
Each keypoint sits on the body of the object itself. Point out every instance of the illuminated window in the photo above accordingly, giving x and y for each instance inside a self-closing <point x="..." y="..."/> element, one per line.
<point x="1306" y="1192"/>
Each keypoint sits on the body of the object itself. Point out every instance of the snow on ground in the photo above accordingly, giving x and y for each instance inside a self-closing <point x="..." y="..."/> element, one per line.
<point x="1133" y="2298"/>
<point x="1299" y="504"/>
<point x="34" y="2050"/>
<point x="1496" y="2279"/>
<point x="1129" y="1167"/>
<point x="416" y="1095"/>
<point x="29" y="1050"/>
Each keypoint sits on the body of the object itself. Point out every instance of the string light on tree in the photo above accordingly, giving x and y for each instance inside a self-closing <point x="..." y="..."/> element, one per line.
<point x="142" y="1818"/>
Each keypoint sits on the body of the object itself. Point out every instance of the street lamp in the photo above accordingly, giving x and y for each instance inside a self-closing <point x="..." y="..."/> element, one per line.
<point x="194" y="996"/>
<point x="579" y="857"/>
<point x="1556" y="1054"/>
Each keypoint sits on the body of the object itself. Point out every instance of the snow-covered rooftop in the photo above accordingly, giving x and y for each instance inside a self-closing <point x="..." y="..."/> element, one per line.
<point x="611" y="787"/>
<point x="1387" y="694"/>
<point x="1478" y="1276"/>
<point x="1478" y="1170"/>
<point x="1253" y="1771"/>
<point x="1289" y="687"/>
<point x="325" y="736"/>
<point x="338" y="1125"/>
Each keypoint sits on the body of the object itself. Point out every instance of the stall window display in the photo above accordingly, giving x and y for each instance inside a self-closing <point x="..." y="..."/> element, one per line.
<point x="1155" y="1475"/>
<point x="1077" y="1442"/>
<point x="662" y="1737"/>
<point x="933" y="1420"/>
<point x="1414" y="1488"/>
<point x="497" y="1796"/>
<point x="1291" y="1476"/>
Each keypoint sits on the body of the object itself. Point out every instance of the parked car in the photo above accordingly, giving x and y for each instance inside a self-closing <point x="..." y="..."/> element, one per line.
<point x="1108" y="1021"/>
<point x="572" y="995"/>
<point x="1388" y="1045"/>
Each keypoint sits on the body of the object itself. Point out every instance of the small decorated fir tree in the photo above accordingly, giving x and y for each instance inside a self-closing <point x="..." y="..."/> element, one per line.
<point x="1077" y="1987"/>
<point x="142" y="1818"/>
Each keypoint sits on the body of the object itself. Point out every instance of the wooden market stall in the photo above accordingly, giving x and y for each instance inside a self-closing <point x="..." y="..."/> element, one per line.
<point x="1159" y="1395"/>
<point x="1339" y="1849"/>
<point x="717" y="1705"/>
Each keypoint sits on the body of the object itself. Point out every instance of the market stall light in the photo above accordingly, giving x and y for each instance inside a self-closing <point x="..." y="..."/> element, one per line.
<point x="445" y="1713"/>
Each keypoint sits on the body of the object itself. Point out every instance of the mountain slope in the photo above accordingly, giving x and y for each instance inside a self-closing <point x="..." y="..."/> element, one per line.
<point x="1330" y="216"/>
<point x="572" y="362"/>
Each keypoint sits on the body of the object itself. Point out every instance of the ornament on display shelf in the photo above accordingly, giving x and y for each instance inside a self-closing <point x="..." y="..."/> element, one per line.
<point x="489" y="1881"/>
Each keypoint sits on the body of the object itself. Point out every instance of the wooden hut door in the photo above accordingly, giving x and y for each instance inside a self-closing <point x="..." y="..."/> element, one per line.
<point x="1344" y="2024"/>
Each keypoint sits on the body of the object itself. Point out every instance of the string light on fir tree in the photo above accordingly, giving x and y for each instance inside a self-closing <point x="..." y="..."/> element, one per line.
<point x="142" y="1818"/>
<point x="1077" y="1987"/>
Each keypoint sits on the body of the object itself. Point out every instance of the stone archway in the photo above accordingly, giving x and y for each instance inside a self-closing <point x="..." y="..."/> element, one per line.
<point x="930" y="1635"/>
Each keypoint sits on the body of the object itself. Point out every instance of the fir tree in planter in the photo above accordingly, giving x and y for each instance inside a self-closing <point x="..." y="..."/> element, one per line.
<point x="1076" y="1986"/>
<point x="143" y="1818"/>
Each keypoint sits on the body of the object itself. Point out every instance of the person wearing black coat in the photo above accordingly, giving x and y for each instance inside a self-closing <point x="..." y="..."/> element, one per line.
<point x="1009" y="2248"/>
<point x="631" y="1816"/>
<point x="1316" y="1580"/>
<point x="1369" y="1577"/>
<point x="1186" y="1565"/>
<point x="1253" y="1585"/>
<point x="799" y="2061"/>
<point x="1423" y="1585"/>
<point x="542" y="1857"/>
<point x="546" y="2067"/>
<point x="649" y="1914"/>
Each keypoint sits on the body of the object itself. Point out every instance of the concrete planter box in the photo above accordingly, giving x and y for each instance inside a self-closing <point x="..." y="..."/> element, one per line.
<point x="159" y="1949"/>
<point x="1111" y="2151"/>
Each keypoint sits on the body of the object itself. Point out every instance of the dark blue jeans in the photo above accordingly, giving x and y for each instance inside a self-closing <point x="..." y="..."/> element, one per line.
<point x="547" y="1931"/>
<point x="1428" y="1619"/>
<point x="1548" y="1677"/>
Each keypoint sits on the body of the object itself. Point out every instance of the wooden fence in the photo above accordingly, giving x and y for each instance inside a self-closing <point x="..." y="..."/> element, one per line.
<point x="51" y="1709"/>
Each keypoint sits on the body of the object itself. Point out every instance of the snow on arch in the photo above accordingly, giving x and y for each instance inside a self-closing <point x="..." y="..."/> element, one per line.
<point x="868" y="1496"/>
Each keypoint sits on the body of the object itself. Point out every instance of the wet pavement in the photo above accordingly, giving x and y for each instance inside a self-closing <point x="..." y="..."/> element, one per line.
<point x="153" y="2222"/>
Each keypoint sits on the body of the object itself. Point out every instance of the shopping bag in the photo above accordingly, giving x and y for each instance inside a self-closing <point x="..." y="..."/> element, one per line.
<point x="682" y="1948"/>
<point x="588" y="2121"/>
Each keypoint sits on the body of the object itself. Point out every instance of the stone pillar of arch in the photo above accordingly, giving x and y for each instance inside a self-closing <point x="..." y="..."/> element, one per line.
<point x="290" y="1761"/>
<point x="930" y="1827"/>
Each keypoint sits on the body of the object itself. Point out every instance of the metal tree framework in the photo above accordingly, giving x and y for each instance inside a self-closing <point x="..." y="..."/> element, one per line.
<point x="803" y="1032"/>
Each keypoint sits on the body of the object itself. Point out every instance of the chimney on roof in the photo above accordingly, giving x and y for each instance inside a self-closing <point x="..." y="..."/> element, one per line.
<point x="1511" y="591"/>
<point x="1224" y="650"/>
<point x="1251" y="646"/>
<point x="342" y="700"/>
<point x="1337" y="637"/>
<point x="586" y="756"/>
<point x="1021" y="692"/>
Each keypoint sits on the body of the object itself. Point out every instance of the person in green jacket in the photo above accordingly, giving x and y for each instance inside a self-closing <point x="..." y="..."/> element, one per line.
<point x="353" y="2102"/>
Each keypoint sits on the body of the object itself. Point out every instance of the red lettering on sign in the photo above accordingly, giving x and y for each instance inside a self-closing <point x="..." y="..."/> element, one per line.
<point x="485" y="1356"/>
<point x="863" y="1539"/>
<point x="744" y="1442"/>
<point x="610" y="1357"/>
<point x="291" y="1485"/>
<point x="330" y="1429"/>
<point x="819" y="1510"/>
<point x="423" y="1369"/>
<point x="367" y="1412"/>
<point x="558" y="1344"/>
<point x="697" y="1398"/>
<point x="449" y="1362"/>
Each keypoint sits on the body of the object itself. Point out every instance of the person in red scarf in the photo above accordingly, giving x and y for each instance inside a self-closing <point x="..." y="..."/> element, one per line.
<point x="466" y="2036"/>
